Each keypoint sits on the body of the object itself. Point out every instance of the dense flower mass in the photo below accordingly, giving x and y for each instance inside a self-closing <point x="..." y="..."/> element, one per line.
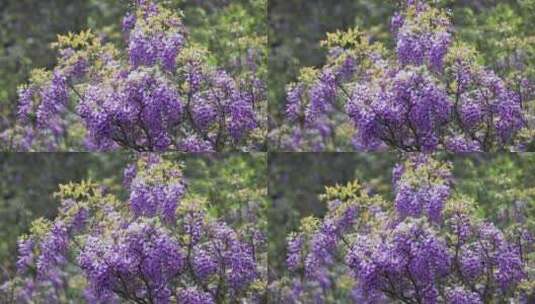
<point x="422" y="36"/>
<point x="157" y="194"/>
<point x="411" y="259"/>
<point x="161" y="94"/>
<point x="407" y="110"/>
<point x="421" y="189"/>
<point x="428" y="95"/>
<point x="159" y="247"/>
<point x="425" y="247"/>
<point x="140" y="259"/>
<point x="139" y="113"/>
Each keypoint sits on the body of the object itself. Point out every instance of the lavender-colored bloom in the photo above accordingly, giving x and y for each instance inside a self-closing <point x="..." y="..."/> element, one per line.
<point x="25" y="103"/>
<point x="295" y="245"/>
<point x="173" y="194"/>
<point x="79" y="219"/>
<point x="425" y="197"/>
<point x="321" y="95"/>
<point x="171" y="48"/>
<point x="53" y="249"/>
<point x="510" y="118"/>
<point x="346" y="70"/>
<point x="146" y="47"/>
<point x="193" y="224"/>
<point x="324" y="242"/>
<point x="238" y="107"/>
<point x="194" y="144"/>
<point x="194" y="76"/>
<point x="145" y="107"/>
<point x="242" y="118"/>
<point x="413" y="253"/>
<point x="509" y="270"/>
<point x="471" y="262"/>
<point x="428" y="199"/>
<point x="54" y="99"/>
<point x="409" y="49"/>
<point x="140" y="253"/>
<point x="242" y="266"/>
<point x="460" y="144"/>
<point x="461" y="227"/>
<point x="418" y="44"/>
<point x="293" y="102"/>
<point x="459" y="295"/>
<point x="152" y="197"/>
<point x="236" y="254"/>
<point x="142" y="50"/>
<point x="204" y="115"/>
<point x="398" y="114"/>
<point x="471" y="114"/>
<point x="129" y="21"/>
<point x="194" y="296"/>
<point x="438" y="51"/>
<point x="397" y="22"/>
<point x="26" y="255"/>
<point x="491" y="253"/>
<point x="204" y="264"/>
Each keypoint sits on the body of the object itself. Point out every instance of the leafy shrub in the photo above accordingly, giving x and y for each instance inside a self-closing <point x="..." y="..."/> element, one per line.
<point x="429" y="93"/>
<point x="159" y="246"/>
<point x="427" y="246"/>
<point x="160" y="93"/>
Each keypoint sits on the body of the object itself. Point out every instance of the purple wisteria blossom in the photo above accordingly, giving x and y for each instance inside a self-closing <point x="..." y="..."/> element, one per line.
<point x="428" y="94"/>
<point x="159" y="94"/>
<point x="427" y="246"/>
<point x="159" y="246"/>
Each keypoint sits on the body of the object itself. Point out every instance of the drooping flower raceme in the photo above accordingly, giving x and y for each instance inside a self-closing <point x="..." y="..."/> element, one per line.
<point x="422" y="36"/>
<point x="159" y="193"/>
<point x="158" y="247"/>
<point x="422" y="189"/>
<point x="159" y="94"/>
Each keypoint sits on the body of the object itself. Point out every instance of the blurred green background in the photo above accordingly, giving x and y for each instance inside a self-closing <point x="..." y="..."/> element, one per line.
<point x="500" y="30"/>
<point x="501" y="184"/>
